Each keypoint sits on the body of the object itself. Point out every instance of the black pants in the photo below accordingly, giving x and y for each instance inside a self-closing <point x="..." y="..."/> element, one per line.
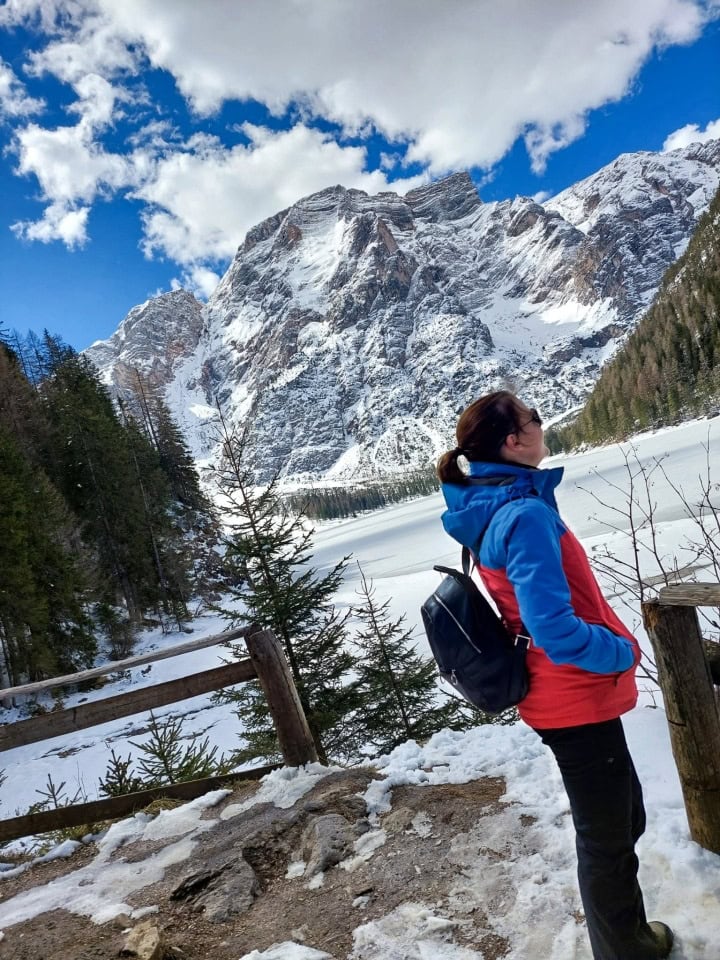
<point x="607" y="810"/>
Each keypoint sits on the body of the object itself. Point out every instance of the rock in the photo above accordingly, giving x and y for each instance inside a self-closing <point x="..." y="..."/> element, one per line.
<point x="144" y="942"/>
<point x="232" y="894"/>
<point x="325" y="842"/>
<point x="398" y="820"/>
<point x="226" y="888"/>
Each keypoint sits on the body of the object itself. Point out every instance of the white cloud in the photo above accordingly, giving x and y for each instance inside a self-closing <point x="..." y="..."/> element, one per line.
<point x="96" y="102"/>
<point x="450" y="85"/>
<point x="458" y="81"/>
<point x="94" y="46"/>
<point x="542" y="140"/>
<point x="72" y="170"/>
<point x="59" y="222"/>
<point x="199" y="280"/>
<point x="68" y="164"/>
<point x="14" y="100"/>
<point x="691" y="133"/>
<point x="203" y="199"/>
<point x="157" y="134"/>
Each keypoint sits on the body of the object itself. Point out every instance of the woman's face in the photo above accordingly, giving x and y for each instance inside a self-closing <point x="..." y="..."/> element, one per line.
<point x="527" y="444"/>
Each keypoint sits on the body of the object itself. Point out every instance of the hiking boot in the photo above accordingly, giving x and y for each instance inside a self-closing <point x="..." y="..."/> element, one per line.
<point x="664" y="937"/>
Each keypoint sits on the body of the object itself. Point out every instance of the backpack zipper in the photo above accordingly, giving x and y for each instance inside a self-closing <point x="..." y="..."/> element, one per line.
<point x="458" y="624"/>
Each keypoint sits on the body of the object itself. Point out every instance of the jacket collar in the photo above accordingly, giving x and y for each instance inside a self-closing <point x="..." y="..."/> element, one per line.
<point x="526" y="479"/>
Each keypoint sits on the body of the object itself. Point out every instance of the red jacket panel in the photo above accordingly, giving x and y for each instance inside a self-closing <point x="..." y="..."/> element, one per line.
<point x="562" y="695"/>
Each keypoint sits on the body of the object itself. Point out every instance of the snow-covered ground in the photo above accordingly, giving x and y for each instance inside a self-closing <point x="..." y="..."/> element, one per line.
<point x="397" y="548"/>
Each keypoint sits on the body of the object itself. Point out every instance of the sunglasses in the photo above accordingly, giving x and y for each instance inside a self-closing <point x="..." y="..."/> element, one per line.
<point x="534" y="418"/>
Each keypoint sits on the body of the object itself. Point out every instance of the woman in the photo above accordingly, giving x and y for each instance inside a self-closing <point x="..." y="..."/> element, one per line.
<point x="581" y="661"/>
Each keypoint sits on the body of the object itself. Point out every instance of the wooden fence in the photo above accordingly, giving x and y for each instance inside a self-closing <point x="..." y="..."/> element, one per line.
<point x="265" y="662"/>
<point x="692" y="702"/>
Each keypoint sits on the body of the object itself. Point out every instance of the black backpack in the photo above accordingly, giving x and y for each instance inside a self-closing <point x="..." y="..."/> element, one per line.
<point x="473" y="649"/>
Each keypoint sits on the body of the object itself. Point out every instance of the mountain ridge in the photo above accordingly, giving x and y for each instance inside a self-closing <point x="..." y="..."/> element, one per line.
<point x="351" y="328"/>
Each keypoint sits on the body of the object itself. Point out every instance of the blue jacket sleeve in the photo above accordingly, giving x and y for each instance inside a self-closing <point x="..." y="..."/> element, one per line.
<point x="534" y="568"/>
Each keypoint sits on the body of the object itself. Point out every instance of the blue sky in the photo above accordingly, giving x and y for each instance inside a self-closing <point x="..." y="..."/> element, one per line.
<point x="143" y="141"/>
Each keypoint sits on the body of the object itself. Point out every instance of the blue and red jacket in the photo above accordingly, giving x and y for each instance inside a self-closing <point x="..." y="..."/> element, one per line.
<point x="581" y="659"/>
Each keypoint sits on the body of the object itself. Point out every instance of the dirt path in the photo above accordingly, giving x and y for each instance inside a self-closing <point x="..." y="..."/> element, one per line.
<point x="234" y="895"/>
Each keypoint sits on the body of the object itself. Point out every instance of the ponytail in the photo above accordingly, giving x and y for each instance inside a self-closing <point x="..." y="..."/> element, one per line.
<point x="448" y="468"/>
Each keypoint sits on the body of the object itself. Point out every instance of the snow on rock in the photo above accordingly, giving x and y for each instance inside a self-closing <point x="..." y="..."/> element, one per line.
<point x="282" y="788"/>
<point x="287" y="951"/>
<point x="150" y="341"/>
<point x="410" y="932"/>
<point x="351" y="328"/>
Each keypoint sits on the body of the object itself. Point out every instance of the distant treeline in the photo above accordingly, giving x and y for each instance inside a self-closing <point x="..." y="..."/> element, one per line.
<point x="669" y="368"/>
<point x="330" y="503"/>
<point x="101" y="510"/>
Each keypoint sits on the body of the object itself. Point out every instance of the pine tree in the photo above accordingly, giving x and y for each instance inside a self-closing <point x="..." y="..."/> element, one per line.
<point x="267" y="560"/>
<point x="398" y="687"/>
<point x="167" y="756"/>
<point x="20" y="409"/>
<point x="111" y="477"/>
<point x="44" y="628"/>
<point x="165" y="435"/>
<point x="192" y="513"/>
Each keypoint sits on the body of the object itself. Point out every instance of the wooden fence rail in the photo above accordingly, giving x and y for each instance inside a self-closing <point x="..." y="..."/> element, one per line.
<point x="691" y="701"/>
<point x="118" y="666"/>
<point x="112" y="808"/>
<point x="266" y="662"/>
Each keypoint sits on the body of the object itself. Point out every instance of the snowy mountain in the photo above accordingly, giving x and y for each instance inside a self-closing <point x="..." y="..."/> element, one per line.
<point x="151" y="340"/>
<point x="351" y="329"/>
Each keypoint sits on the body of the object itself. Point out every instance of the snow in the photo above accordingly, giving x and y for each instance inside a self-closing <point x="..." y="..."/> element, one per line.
<point x="287" y="951"/>
<point x="365" y="846"/>
<point x="410" y="932"/>
<point x="520" y="859"/>
<point x="627" y="182"/>
<point x="317" y="260"/>
<point x="283" y="788"/>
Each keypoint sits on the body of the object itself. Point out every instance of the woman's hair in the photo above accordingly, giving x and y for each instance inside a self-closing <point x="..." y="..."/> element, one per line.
<point x="481" y="432"/>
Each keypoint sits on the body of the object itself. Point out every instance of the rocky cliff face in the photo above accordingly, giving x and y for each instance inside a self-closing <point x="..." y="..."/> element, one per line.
<point x="351" y="329"/>
<point x="152" y="340"/>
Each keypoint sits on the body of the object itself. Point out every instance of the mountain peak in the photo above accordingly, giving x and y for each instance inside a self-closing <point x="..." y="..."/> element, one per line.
<point x="451" y="198"/>
<point x="350" y="328"/>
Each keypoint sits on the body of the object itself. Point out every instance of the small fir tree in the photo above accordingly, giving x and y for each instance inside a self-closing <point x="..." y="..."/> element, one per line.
<point x="167" y="756"/>
<point x="267" y="561"/>
<point x="166" y="759"/>
<point x="398" y="687"/>
<point x="119" y="777"/>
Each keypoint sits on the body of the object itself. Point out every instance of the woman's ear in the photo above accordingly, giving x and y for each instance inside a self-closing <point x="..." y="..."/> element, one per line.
<point x="512" y="442"/>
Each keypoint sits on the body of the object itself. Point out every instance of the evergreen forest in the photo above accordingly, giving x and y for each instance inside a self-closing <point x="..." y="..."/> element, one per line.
<point x="331" y="503"/>
<point x="669" y="368"/>
<point x="101" y="508"/>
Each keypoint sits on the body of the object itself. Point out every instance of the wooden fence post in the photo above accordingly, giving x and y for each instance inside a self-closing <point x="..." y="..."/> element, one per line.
<point x="291" y="726"/>
<point x="692" y="713"/>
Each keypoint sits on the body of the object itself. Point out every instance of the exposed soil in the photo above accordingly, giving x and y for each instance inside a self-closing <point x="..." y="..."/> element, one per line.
<point x="411" y="866"/>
